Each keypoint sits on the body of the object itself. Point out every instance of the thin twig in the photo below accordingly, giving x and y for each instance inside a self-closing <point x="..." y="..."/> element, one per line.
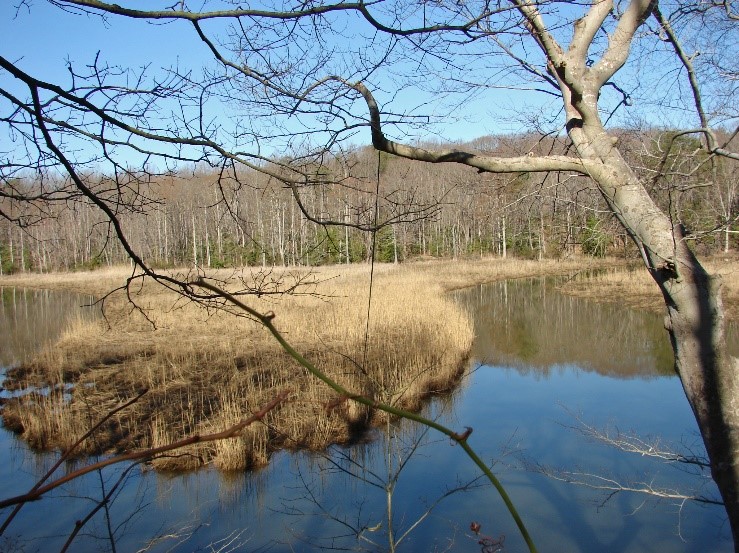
<point x="230" y="432"/>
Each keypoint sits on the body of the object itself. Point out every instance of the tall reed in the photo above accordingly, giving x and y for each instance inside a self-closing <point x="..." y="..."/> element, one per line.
<point x="207" y="370"/>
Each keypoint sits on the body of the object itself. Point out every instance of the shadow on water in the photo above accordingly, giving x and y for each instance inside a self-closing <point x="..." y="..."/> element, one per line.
<point x="541" y="362"/>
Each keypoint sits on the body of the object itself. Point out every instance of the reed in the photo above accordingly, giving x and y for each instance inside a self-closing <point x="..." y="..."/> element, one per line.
<point x="205" y="370"/>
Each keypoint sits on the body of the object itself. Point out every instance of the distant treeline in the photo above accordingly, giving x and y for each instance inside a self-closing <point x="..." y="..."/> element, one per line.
<point x="317" y="210"/>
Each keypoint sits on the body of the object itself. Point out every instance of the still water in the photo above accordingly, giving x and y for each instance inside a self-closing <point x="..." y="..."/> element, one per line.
<point x="29" y="319"/>
<point x="545" y="367"/>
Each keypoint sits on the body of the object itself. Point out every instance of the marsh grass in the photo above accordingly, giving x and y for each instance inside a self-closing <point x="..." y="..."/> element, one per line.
<point x="632" y="286"/>
<point x="206" y="370"/>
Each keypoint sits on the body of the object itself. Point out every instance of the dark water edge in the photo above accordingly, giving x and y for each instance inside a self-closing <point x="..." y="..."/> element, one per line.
<point x="541" y="362"/>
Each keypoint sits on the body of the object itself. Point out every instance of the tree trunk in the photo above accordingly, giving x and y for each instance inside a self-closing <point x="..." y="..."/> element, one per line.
<point x="542" y="241"/>
<point x="207" y="239"/>
<point x="346" y="233"/>
<point x="709" y="375"/>
<point x="23" y="255"/>
<point x="194" y="241"/>
<point x="726" y="237"/>
<point x="695" y="318"/>
<point x="503" y="238"/>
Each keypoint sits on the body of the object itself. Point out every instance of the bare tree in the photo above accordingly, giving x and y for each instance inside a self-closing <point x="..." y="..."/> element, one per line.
<point x="694" y="318"/>
<point x="287" y="90"/>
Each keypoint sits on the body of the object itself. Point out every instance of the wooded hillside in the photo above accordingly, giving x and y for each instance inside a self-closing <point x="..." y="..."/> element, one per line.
<point x="180" y="218"/>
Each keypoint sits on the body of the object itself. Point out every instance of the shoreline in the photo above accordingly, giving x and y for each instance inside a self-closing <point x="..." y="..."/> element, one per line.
<point x="204" y="372"/>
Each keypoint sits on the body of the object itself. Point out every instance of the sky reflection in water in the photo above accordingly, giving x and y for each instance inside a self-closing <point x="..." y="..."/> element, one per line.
<point x="549" y="360"/>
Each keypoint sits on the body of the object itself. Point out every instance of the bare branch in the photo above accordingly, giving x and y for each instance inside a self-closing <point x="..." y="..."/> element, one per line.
<point x="482" y="163"/>
<point x="620" y="41"/>
<point x="116" y="9"/>
<point x="613" y="486"/>
<point x="551" y="48"/>
<point x="150" y="453"/>
<point x="585" y="30"/>
<point x="96" y="6"/>
<point x="692" y="77"/>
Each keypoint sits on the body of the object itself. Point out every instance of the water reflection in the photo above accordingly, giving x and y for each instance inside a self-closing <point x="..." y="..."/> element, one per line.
<point x="29" y="319"/>
<point x="527" y="325"/>
<point x="536" y="352"/>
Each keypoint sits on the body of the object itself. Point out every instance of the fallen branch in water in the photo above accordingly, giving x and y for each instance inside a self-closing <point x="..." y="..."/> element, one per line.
<point x="614" y="487"/>
<point x="632" y="443"/>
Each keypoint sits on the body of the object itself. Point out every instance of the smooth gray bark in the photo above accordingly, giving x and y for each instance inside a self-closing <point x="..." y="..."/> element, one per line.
<point x="694" y="319"/>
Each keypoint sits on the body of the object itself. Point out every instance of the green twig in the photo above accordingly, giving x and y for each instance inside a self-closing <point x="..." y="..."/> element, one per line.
<point x="459" y="438"/>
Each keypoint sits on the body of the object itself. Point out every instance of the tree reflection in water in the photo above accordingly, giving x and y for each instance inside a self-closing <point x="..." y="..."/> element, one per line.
<point x="375" y="521"/>
<point x="526" y="325"/>
<point x="609" y="365"/>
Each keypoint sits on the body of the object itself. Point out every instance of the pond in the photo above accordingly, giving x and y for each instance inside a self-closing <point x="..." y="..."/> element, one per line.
<point x="30" y="319"/>
<point x="549" y="372"/>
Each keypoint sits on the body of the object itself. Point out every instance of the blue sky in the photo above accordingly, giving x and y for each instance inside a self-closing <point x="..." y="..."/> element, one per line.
<point x="41" y="39"/>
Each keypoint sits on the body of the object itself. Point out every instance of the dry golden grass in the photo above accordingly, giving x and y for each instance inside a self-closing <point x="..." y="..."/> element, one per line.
<point x="204" y="371"/>
<point x="456" y="274"/>
<point x="634" y="287"/>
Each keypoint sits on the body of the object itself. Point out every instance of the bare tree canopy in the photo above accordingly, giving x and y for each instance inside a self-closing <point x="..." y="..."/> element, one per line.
<point x="283" y="93"/>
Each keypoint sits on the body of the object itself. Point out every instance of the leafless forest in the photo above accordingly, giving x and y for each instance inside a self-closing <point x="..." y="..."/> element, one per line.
<point x="225" y="217"/>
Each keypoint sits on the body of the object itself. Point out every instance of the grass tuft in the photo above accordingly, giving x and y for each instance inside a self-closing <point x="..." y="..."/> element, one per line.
<point x="207" y="370"/>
